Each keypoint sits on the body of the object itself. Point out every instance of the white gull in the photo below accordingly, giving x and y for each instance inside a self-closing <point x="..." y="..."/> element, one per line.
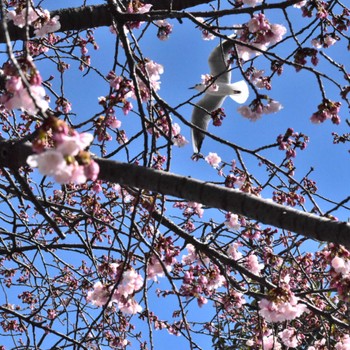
<point x="214" y="97"/>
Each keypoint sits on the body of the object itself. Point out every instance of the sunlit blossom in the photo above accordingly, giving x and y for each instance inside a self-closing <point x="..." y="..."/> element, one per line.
<point x="213" y="159"/>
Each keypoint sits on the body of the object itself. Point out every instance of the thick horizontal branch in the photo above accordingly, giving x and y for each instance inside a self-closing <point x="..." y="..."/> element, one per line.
<point x="235" y="201"/>
<point x="82" y="18"/>
<point x="14" y="155"/>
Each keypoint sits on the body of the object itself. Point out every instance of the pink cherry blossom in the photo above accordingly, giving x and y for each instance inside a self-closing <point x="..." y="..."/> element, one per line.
<point x="194" y="208"/>
<point x="114" y="122"/>
<point x="280" y="311"/>
<point x="49" y="162"/>
<point x="257" y="78"/>
<point x="233" y="252"/>
<point x="164" y="29"/>
<point x="329" y="41"/>
<point x="63" y="175"/>
<point x="60" y="162"/>
<point x="20" y="19"/>
<point x="191" y="257"/>
<point x="252" y="264"/>
<point x="139" y="8"/>
<point x="289" y="337"/>
<point x="50" y="25"/>
<point x="207" y="80"/>
<point x="232" y="221"/>
<point x="343" y="344"/>
<point x="206" y="35"/>
<point x="154" y="70"/>
<point x="178" y="139"/>
<point x="97" y="187"/>
<point x="213" y="159"/>
<point x="92" y="170"/>
<point x="72" y="145"/>
<point x="130" y="283"/>
<point x="202" y="301"/>
<point x="154" y="269"/>
<point x="316" y="43"/>
<point x="277" y="32"/>
<point x="99" y="295"/>
<point x="14" y="84"/>
<point x="318" y="345"/>
<point x="258" y="23"/>
<point x="130" y="307"/>
<point x="260" y="33"/>
<point x="77" y="174"/>
<point x="272" y="107"/>
<point x="340" y="265"/>
<point x="248" y="113"/>
<point x="270" y="342"/>
<point x="21" y="99"/>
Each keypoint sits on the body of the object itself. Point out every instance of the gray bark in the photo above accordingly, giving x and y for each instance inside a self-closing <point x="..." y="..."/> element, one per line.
<point x="14" y="155"/>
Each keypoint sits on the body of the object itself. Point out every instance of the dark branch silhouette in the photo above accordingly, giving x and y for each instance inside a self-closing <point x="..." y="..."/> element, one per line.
<point x="14" y="155"/>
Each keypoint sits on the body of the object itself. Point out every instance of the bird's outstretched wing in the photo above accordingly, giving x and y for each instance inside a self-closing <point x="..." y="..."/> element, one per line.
<point x="218" y="62"/>
<point x="201" y="117"/>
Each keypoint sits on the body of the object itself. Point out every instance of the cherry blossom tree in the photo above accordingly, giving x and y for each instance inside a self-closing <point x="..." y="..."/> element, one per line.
<point x="104" y="246"/>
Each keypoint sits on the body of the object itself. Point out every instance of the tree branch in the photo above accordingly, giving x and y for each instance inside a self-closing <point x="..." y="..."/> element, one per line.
<point x="14" y="155"/>
<point x="81" y="18"/>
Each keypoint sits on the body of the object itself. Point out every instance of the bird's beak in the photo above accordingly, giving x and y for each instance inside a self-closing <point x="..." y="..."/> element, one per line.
<point x="192" y="88"/>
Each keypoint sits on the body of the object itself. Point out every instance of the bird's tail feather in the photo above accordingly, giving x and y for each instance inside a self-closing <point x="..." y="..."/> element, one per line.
<point x="243" y="89"/>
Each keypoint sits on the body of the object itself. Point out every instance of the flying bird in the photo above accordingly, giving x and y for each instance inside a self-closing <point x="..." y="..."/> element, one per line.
<point x="214" y="98"/>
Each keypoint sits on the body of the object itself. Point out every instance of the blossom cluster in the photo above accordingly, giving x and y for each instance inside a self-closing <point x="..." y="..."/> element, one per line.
<point x="324" y="41"/>
<point x="257" y="77"/>
<point x="291" y="198"/>
<point x="121" y="90"/>
<point x="133" y="6"/>
<point x="177" y="138"/>
<point x="281" y="304"/>
<point x="327" y="110"/>
<point x="119" y="290"/>
<point x="200" y="280"/>
<point x="206" y="34"/>
<point x="67" y="161"/>
<point x="152" y="71"/>
<point x="40" y="19"/>
<point x="232" y="221"/>
<point x="218" y="116"/>
<point x="341" y="274"/>
<point x="250" y="262"/>
<point x="165" y="259"/>
<point x="256" y="109"/>
<point x="28" y="95"/>
<point x="289" y="337"/>
<point x="164" y="29"/>
<point x="163" y="125"/>
<point x="291" y="141"/>
<point x="258" y="34"/>
<point x="301" y="55"/>
<point x="190" y="208"/>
